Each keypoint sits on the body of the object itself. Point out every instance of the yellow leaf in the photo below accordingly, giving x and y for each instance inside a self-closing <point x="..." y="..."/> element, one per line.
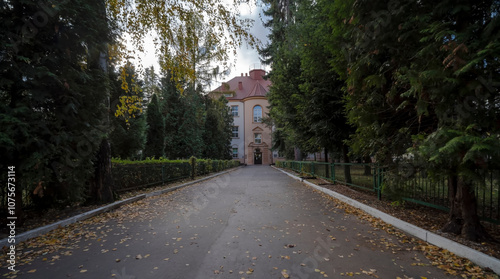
<point x="32" y="271"/>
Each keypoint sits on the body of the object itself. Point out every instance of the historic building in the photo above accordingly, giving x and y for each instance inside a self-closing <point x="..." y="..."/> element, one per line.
<point x="246" y="95"/>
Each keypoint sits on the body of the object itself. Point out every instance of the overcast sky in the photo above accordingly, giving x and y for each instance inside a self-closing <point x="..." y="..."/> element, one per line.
<point x="247" y="56"/>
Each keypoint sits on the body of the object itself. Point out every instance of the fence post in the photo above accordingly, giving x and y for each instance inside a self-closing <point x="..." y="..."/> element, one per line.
<point x="332" y="170"/>
<point x="380" y="177"/>
<point x="192" y="162"/>
<point x="162" y="174"/>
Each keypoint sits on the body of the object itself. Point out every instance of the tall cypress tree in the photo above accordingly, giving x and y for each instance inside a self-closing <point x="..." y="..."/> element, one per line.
<point x="218" y="129"/>
<point x="155" y="139"/>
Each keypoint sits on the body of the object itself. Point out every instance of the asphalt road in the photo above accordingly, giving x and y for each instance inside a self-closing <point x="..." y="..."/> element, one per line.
<point x="254" y="222"/>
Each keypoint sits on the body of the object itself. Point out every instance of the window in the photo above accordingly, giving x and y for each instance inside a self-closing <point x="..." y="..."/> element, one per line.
<point x="234" y="110"/>
<point x="235" y="132"/>
<point x="228" y="95"/>
<point x="258" y="138"/>
<point x="257" y="114"/>
<point x="235" y="152"/>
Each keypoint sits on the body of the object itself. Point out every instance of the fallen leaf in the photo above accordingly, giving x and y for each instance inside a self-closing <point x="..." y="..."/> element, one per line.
<point x="285" y="274"/>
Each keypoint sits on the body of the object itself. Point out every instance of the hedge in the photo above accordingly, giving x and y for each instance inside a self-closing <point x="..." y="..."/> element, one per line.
<point x="130" y="175"/>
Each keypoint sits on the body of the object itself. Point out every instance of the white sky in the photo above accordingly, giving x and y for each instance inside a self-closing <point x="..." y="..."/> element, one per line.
<point x="246" y="55"/>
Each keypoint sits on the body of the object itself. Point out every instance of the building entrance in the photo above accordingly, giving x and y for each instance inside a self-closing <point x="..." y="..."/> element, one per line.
<point x="257" y="157"/>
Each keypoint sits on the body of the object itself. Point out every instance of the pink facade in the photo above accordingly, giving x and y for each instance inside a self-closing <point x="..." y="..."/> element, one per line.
<point x="246" y="95"/>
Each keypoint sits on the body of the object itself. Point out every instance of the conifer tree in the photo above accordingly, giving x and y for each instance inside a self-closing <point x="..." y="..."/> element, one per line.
<point x="218" y="129"/>
<point x="52" y="103"/>
<point x="155" y="140"/>
<point x="128" y="134"/>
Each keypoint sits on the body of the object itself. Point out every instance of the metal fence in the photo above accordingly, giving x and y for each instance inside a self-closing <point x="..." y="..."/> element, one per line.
<point x="417" y="187"/>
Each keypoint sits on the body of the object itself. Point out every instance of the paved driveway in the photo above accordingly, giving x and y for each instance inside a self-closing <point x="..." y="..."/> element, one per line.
<point x="254" y="222"/>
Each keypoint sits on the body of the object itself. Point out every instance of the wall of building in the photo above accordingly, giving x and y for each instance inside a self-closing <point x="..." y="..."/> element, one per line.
<point x="240" y="122"/>
<point x="252" y="127"/>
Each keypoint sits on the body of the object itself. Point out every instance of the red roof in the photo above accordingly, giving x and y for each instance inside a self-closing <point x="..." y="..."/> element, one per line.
<point x="252" y="85"/>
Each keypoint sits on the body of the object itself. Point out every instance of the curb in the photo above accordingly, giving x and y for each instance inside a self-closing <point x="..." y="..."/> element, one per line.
<point x="80" y="217"/>
<point x="458" y="249"/>
<point x="45" y="229"/>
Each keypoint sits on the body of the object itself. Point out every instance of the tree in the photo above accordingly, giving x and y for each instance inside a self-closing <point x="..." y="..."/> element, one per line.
<point x="177" y="25"/>
<point x="458" y="86"/>
<point x="151" y="84"/>
<point x="128" y="122"/>
<point x="191" y="127"/>
<point x="284" y="93"/>
<point x="218" y="129"/>
<point x="155" y="140"/>
<point x="52" y="102"/>
<point x="306" y="95"/>
<point x="412" y="67"/>
<point x="55" y="84"/>
<point x="322" y="106"/>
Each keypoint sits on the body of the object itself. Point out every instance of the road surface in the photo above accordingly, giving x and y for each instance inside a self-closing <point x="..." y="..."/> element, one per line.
<point x="254" y="222"/>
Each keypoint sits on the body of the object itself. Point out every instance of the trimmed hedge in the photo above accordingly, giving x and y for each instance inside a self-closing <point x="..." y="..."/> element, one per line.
<point x="130" y="175"/>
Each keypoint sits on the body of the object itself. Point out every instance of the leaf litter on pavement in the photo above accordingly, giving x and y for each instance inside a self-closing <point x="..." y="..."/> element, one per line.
<point x="64" y="240"/>
<point x="441" y="258"/>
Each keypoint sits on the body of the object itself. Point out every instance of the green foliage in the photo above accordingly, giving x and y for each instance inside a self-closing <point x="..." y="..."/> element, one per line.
<point x="306" y="95"/>
<point x="218" y="129"/>
<point x="417" y="80"/>
<point x="52" y="106"/>
<point x="155" y="138"/>
<point x="184" y="28"/>
<point x="137" y="174"/>
<point x="128" y="122"/>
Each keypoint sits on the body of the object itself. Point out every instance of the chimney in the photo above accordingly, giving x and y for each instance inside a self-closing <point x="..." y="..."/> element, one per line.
<point x="240" y="85"/>
<point x="257" y="74"/>
<point x="241" y="74"/>
<point x="246" y="74"/>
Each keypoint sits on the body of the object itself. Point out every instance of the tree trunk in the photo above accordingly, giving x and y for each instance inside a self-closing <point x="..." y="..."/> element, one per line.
<point x="463" y="219"/>
<point x="454" y="223"/>
<point x="347" y="168"/>
<point x="368" y="169"/>
<point x="101" y="188"/>
<point x="298" y="154"/>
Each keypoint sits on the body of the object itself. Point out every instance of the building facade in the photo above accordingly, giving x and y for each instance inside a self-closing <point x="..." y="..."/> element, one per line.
<point x="247" y="97"/>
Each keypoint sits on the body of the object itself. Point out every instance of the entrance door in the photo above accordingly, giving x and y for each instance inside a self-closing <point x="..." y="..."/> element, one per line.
<point x="257" y="158"/>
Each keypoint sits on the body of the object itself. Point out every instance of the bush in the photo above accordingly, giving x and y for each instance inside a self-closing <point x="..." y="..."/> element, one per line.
<point x="130" y="175"/>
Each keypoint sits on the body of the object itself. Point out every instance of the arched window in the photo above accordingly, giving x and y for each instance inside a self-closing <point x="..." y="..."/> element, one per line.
<point x="257" y="114"/>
